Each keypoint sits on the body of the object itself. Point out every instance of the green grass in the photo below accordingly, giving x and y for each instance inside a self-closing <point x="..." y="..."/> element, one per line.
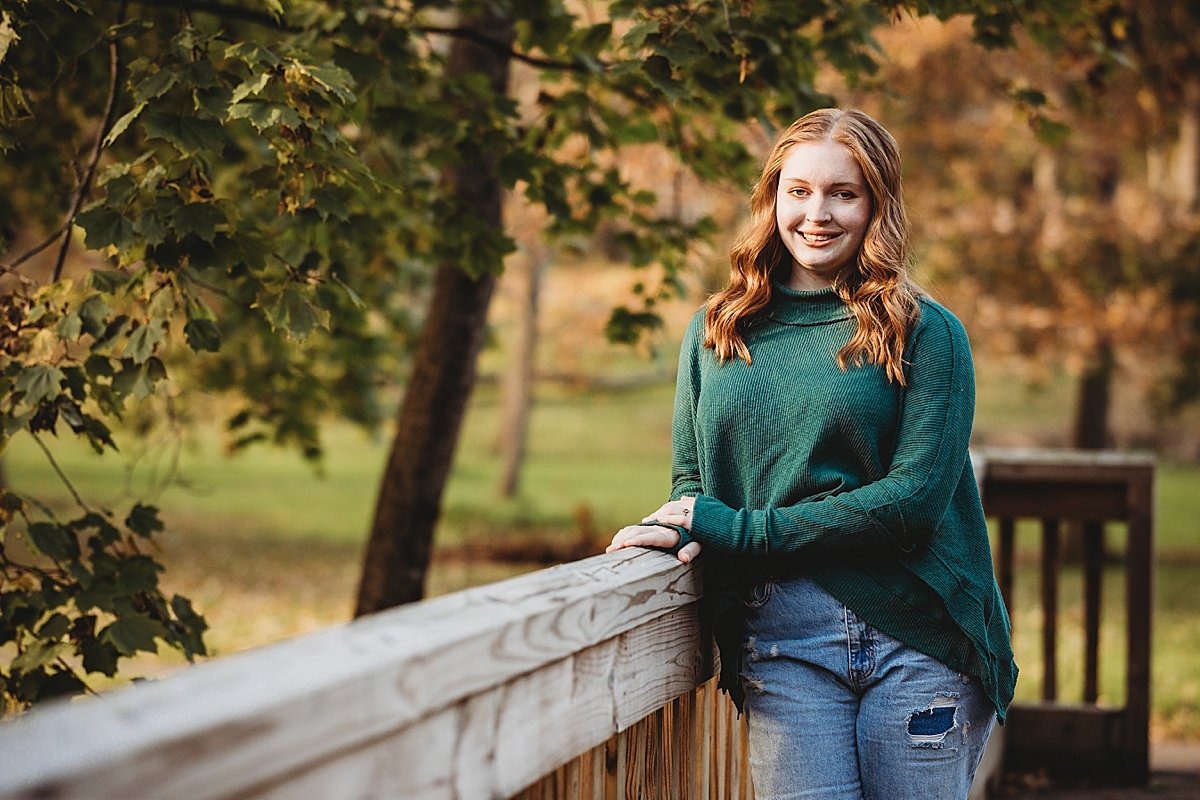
<point x="1177" y="503"/>
<point x="608" y="453"/>
<point x="269" y="548"/>
<point x="1175" y="679"/>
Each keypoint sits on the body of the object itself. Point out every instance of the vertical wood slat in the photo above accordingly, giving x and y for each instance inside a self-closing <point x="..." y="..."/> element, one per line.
<point x="679" y="771"/>
<point x="612" y="766"/>
<point x="1139" y="593"/>
<point x="587" y="774"/>
<point x="711" y="738"/>
<point x="727" y="765"/>
<point x="721" y="762"/>
<point x="1050" y="553"/>
<point x="703" y="767"/>
<point x="624" y="768"/>
<point x="574" y="779"/>
<point x="1093" y="580"/>
<point x="714" y="754"/>
<point x="745" y="788"/>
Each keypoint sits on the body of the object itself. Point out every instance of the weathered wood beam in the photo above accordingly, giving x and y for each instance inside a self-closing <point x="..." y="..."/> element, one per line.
<point x="615" y="635"/>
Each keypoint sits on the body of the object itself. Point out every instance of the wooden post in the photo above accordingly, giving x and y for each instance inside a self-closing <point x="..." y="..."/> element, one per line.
<point x="1049" y="609"/>
<point x="1139" y="597"/>
<point x="1093" y="581"/>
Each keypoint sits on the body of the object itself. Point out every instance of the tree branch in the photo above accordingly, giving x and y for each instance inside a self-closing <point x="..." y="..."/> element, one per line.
<point x="62" y="475"/>
<point x="88" y="690"/>
<point x="110" y="115"/>
<point x="503" y="49"/>
<point x="12" y="266"/>
<point x="226" y="11"/>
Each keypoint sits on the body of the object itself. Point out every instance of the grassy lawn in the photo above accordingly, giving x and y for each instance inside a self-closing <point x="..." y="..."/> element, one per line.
<point x="269" y="548"/>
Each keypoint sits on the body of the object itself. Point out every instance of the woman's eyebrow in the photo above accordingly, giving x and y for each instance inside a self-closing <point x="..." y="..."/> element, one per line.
<point x="852" y="184"/>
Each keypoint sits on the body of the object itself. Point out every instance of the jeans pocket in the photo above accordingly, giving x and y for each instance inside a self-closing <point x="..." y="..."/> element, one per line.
<point x="759" y="594"/>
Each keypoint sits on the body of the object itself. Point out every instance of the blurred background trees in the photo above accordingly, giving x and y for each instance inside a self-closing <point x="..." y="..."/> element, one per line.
<point x="1071" y="246"/>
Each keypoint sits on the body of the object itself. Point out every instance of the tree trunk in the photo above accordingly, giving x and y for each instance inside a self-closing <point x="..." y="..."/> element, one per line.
<point x="1095" y="396"/>
<point x="1091" y="433"/>
<point x="1186" y="172"/>
<point x="518" y="380"/>
<point x="443" y="374"/>
<point x="1054" y="226"/>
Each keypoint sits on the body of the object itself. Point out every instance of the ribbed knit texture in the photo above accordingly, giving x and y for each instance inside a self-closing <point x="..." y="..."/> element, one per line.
<point x="866" y="487"/>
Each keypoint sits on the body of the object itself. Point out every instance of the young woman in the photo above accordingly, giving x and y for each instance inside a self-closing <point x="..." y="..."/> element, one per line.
<point x="822" y="417"/>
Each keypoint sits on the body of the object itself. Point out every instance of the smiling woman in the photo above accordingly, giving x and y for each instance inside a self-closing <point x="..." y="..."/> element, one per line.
<point x="822" y="414"/>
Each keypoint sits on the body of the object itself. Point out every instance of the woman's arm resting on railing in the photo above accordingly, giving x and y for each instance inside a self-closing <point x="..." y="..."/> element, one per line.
<point x="685" y="462"/>
<point x="685" y="465"/>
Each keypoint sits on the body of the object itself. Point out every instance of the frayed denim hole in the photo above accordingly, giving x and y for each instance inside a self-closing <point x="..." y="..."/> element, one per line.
<point x="929" y="727"/>
<point x="750" y="684"/>
<point x="932" y="721"/>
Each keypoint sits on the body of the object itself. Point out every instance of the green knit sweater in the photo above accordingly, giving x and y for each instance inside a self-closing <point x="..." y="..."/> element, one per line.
<point x="864" y="486"/>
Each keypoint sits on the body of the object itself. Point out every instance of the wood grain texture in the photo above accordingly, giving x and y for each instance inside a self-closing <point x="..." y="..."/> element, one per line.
<point x="225" y="727"/>
<point x="659" y="756"/>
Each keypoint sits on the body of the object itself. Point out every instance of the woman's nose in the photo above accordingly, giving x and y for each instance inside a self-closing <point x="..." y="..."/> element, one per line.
<point x="818" y="210"/>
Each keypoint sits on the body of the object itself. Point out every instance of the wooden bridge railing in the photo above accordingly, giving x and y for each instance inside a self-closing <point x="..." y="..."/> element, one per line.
<point x="586" y="680"/>
<point x="475" y="694"/>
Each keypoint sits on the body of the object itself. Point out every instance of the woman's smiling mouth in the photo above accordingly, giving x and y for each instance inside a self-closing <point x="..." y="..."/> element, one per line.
<point x="817" y="238"/>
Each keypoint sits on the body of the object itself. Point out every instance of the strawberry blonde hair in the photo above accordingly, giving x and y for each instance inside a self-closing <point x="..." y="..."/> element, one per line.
<point x="876" y="287"/>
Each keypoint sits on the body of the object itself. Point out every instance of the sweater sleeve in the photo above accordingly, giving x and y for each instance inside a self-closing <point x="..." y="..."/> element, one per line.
<point x="685" y="462"/>
<point x="898" y="512"/>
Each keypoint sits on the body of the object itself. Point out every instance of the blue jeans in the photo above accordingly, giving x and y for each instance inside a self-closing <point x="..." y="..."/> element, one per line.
<point x="838" y="709"/>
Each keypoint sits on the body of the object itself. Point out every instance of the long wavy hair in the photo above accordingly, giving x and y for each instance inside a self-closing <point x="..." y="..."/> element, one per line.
<point x="876" y="286"/>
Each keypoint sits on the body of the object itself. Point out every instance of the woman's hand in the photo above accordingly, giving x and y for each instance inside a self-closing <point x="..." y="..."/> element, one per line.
<point x="677" y="512"/>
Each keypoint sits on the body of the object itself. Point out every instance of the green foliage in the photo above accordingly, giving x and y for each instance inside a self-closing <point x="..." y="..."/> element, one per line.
<point x="83" y="595"/>
<point x="264" y="186"/>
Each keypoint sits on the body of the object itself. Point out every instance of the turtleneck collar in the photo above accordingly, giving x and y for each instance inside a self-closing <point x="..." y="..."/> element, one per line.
<point x="815" y="307"/>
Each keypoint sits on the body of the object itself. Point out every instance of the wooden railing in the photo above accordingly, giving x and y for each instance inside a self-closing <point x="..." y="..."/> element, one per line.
<point x="475" y="694"/>
<point x="1073" y="494"/>
<point x="586" y="680"/>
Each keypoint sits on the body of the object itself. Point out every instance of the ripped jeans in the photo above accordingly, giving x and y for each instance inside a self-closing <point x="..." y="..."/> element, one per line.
<point x="838" y="709"/>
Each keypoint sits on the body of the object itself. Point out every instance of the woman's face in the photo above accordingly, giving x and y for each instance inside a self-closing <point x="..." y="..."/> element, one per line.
<point x="822" y="210"/>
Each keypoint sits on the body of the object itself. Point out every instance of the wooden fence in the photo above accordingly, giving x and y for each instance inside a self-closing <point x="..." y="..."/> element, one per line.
<point x="586" y="680"/>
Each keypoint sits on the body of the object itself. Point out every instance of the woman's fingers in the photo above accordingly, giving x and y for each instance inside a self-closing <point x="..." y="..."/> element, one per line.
<point x="652" y="536"/>
<point x="643" y="536"/>
<point x="688" y="552"/>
